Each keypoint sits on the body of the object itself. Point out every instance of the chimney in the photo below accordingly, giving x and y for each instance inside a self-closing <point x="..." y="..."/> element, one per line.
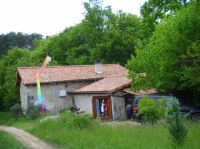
<point x="98" y="67"/>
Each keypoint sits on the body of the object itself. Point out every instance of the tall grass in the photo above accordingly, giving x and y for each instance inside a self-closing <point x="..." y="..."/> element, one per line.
<point x="8" y="142"/>
<point x="81" y="132"/>
<point x="66" y="134"/>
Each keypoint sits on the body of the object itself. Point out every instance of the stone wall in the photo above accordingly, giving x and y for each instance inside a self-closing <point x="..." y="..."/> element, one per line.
<point x="53" y="102"/>
<point x="118" y="107"/>
<point x="23" y="96"/>
<point x="50" y="95"/>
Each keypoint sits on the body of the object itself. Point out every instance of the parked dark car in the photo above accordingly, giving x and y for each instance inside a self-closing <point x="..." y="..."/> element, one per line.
<point x="192" y="112"/>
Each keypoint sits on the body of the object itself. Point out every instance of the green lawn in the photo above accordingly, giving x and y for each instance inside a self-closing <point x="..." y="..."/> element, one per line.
<point x="9" y="142"/>
<point x="5" y="117"/>
<point x="61" y="133"/>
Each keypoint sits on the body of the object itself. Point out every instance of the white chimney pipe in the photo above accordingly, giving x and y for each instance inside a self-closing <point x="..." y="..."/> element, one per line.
<point x="98" y="67"/>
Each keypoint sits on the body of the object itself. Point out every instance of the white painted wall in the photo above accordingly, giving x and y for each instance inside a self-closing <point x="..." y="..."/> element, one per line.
<point x="84" y="102"/>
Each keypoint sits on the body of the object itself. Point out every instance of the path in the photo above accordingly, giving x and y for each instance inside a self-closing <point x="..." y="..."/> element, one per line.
<point x="27" y="139"/>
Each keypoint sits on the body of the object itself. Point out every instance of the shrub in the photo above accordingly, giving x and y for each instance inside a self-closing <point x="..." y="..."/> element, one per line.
<point x="72" y="120"/>
<point x="33" y="111"/>
<point x="82" y="122"/>
<point x="16" y="110"/>
<point x="176" y="123"/>
<point x="151" y="110"/>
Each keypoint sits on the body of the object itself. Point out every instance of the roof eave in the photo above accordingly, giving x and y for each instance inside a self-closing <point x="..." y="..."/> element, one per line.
<point x="120" y="87"/>
<point x="63" y="81"/>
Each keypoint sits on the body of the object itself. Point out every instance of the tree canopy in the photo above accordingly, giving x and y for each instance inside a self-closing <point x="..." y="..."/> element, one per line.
<point x="103" y="35"/>
<point x="153" y="11"/>
<point x="171" y="58"/>
<point x="19" y="40"/>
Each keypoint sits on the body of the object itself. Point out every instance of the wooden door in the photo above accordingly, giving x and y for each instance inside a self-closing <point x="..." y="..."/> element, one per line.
<point x="102" y="107"/>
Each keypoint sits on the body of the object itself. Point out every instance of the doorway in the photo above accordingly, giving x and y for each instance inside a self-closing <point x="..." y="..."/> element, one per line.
<point x="102" y="107"/>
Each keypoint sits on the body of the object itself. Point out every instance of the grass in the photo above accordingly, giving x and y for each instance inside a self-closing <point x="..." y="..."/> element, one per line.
<point x="5" y="117"/>
<point x="8" y="142"/>
<point x="82" y="133"/>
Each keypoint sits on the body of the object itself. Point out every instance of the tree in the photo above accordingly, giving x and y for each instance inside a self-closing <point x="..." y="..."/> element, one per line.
<point x="171" y="59"/>
<point x="176" y="123"/>
<point x="15" y="57"/>
<point x="153" y="11"/>
<point x="103" y="35"/>
<point x="119" y="40"/>
<point x="19" y="40"/>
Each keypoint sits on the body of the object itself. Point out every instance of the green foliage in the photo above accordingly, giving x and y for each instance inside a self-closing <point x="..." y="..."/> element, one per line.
<point x="105" y="135"/>
<point x="153" y="11"/>
<point x="5" y="117"/>
<point x="191" y="62"/>
<point x="16" y="110"/>
<point x="33" y="111"/>
<point x="76" y="121"/>
<point x="176" y="123"/>
<point x="151" y="110"/>
<point x="15" y="57"/>
<point x="170" y="59"/>
<point x="114" y="136"/>
<point x="103" y="35"/>
<point x="19" y="40"/>
<point x="72" y="120"/>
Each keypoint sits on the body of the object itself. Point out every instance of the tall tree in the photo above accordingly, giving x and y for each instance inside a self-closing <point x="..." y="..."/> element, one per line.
<point x="171" y="59"/>
<point x="19" y="40"/>
<point x="101" y="35"/>
<point x="153" y="11"/>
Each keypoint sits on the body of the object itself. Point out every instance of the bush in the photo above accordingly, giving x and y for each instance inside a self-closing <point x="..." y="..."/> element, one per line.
<point x="82" y="122"/>
<point x="33" y="111"/>
<point x="176" y="123"/>
<point x="72" y="120"/>
<point x="151" y="110"/>
<point x="16" y="110"/>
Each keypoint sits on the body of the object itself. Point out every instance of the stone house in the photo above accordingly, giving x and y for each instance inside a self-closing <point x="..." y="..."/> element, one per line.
<point x="97" y="89"/>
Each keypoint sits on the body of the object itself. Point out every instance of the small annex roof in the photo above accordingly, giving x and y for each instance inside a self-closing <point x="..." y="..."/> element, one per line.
<point x="140" y="92"/>
<point x="106" y="85"/>
<point x="68" y="73"/>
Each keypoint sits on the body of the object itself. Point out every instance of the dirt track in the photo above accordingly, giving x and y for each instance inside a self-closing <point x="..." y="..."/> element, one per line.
<point x="27" y="139"/>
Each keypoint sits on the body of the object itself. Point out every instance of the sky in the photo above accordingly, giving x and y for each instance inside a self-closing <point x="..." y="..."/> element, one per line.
<point x="50" y="17"/>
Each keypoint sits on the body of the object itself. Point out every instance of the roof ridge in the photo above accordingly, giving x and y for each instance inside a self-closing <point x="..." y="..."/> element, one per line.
<point x="61" y="66"/>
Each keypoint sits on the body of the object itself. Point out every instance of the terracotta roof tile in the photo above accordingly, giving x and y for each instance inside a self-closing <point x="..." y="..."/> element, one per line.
<point x="108" y="85"/>
<point x="68" y="73"/>
<point x="141" y="92"/>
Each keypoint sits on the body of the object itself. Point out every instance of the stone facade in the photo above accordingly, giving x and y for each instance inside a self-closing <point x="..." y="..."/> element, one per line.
<point x="53" y="102"/>
<point x="50" y="94"/>
<point x="118" y="108"/>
